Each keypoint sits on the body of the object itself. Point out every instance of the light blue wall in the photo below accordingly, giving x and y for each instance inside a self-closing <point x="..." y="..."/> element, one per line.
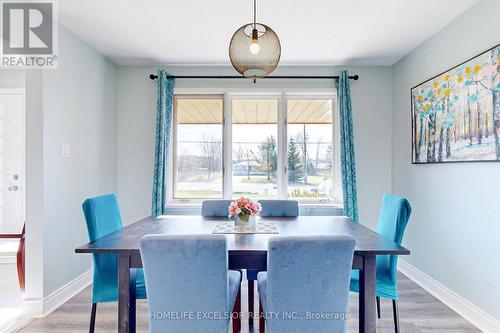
<point x="136" y="102"/>
<point x="79" y="108"/>
<point x="455" y="227"/>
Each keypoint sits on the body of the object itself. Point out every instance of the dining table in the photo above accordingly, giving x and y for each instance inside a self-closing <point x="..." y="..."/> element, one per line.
<point x="245" y="251"/>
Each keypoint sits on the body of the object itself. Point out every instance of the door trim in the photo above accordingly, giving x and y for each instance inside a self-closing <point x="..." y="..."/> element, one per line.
<point x="20" y="92"/>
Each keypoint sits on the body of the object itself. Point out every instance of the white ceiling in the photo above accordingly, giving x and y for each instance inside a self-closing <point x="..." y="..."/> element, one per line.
<point x="312" y="32"/>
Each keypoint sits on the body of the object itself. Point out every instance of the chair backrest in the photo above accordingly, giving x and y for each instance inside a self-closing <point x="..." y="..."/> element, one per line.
<point x="103" y="217"/>
<point x="186" y="274"/>
<point x="279" y="208"/>
<point x="308" y="274"/>
<point x="393" y="218"/>
<point x="215" y="208"/>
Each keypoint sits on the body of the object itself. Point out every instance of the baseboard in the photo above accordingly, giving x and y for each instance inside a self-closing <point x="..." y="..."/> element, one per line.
<point x="66" y="292"/>
<point x="14" y="325"/>
<point x="32" y="308"/>
<point x="38" y="308"/>
<point x="460" y="305"/>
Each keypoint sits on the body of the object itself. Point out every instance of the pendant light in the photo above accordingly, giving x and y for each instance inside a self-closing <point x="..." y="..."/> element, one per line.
<point x="254" y="49"/>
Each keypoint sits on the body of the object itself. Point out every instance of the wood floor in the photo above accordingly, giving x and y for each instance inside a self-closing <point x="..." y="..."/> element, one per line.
<point x="420" y="312"/>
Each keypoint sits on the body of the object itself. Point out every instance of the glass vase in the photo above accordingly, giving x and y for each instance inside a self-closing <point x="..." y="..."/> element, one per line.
<point x="244" y="220"/>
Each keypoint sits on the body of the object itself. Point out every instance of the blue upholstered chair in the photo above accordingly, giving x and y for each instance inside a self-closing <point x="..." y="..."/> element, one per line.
<point x="306" y="274"/>
<point x="393" y="218"/>
<point x="219" y="208"/>
<point x="215" y="208"/>
<point x="270" y="208"/>
<point x="279" y="208"/>
<point x="103" y="217"/>
<point x="188" y="274"/>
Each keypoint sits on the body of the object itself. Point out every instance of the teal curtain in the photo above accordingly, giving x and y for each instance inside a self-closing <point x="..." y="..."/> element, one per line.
<point x="164" y="111"/>
<point x="347" y="159"/>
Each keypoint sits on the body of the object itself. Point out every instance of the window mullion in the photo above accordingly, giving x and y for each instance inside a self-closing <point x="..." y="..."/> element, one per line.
<point x="227" y="148"/>
<point x="282" y="151"/>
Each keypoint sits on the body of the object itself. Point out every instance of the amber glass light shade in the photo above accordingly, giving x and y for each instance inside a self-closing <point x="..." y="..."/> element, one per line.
<point x="245" y="59"/>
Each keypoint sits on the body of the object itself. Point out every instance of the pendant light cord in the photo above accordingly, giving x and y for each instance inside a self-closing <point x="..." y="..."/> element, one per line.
<point x="255" y="14"/>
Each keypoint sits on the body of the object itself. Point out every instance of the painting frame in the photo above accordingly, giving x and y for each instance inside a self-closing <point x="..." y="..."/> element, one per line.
<point x="413" y="125"/>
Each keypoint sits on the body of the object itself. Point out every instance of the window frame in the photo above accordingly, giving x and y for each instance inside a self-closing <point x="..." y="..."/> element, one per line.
<point x="336" y="200"/>
<point x="173" y="149"/>
<point x="282" y="96"/>
<point x="229" y="166"/>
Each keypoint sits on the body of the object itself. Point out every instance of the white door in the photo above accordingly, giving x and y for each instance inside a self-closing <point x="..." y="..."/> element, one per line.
<point x="11" y="161"/>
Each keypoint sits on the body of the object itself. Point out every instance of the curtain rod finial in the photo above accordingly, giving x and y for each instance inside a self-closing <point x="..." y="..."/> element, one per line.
<point x="355" y="77"/>
<point x="153" y="77"/>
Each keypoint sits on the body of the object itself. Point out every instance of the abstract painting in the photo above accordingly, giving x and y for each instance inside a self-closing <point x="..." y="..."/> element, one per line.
<point x="456" y="114"/>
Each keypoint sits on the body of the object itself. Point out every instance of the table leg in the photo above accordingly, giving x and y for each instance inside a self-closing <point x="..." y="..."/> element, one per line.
<point x="124" y="295"/>
<point x="251" y="300"/>
<point x="367" y="284"/>
<point x="133" y="300"/>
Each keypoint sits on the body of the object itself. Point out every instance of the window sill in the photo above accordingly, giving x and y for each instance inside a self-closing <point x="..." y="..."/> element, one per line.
<point x="308" y="209"/>
<point x="321" y="209"/>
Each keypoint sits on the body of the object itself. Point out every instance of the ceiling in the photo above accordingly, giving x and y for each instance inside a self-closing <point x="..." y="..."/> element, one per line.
<point x="252" y="111"/>
<point x="314" y="32"/>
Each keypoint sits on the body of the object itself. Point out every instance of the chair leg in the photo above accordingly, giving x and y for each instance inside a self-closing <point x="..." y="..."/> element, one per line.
<point x="262" y="319"/>
<point x="251" y="302"/>
<point x="92" y="318"/>
<point x="236" y="312"/>
<point x="395" y="312"/>
<point x="378" y="307"/>
<point x="20" y="262"/>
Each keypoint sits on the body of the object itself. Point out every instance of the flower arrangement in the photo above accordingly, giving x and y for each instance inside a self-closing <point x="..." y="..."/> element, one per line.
<point x="243" y="208"/>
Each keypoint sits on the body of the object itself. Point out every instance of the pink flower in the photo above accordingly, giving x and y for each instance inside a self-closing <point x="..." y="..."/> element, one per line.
<point x="244" y="206"/>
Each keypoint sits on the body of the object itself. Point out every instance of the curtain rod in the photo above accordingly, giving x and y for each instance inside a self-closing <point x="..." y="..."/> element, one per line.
<point x="352" y="77"/>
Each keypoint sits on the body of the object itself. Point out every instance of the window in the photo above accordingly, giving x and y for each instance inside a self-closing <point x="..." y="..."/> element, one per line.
<point x="198" y="147"/>
<point x="310" y="149"/>
<point x="260" y="146"/>
<point x="254" y="146"/>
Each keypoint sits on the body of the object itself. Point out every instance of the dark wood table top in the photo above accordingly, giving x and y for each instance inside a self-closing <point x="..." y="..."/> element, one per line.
<point x="128" y="238"/>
